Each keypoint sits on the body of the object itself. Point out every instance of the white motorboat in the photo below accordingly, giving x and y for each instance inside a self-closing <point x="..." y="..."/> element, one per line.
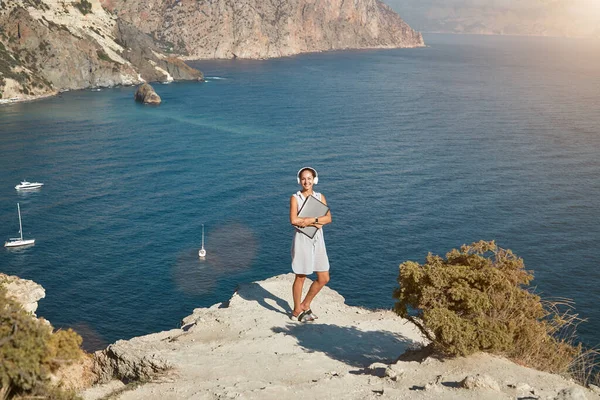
<point x="202" y="252"/>
<point x="17" y="242"/>
<point x="24" y="185"/>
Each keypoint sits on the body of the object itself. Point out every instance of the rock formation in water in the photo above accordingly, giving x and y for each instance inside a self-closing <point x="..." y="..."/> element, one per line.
<point x="47" y="46"/>
<point x="206" y="29"/>
<point x="146" y="94"/>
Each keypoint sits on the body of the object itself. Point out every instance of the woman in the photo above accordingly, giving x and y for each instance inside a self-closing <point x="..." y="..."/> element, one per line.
<point x="308" y="255"/>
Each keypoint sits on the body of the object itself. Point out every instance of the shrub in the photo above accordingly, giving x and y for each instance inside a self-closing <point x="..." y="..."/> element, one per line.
<point x="84" y="6"/>
<point x="475" y="300"/>
<point x="29" y="352"/>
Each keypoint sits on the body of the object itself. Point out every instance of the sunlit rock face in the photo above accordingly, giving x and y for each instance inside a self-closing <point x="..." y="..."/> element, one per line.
<point x="25" y="292"/>
<point x="47" y="46"/>
<point x="258" y="29"/>
<point x="146" y="94"/>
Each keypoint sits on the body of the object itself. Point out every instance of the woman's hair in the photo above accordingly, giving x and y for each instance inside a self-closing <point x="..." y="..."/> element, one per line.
<point x="312" y="171"/>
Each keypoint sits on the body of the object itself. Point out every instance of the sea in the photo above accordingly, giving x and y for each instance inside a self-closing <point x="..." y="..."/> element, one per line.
<point x="418" y="150"/>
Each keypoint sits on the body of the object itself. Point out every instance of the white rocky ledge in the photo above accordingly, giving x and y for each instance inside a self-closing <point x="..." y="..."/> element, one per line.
<point x="24" y="291"/>
<point x="248" y="348"/>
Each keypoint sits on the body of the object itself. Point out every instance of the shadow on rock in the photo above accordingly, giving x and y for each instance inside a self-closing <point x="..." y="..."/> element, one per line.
<point x="255" y="292"/>
<point x="350" y="345"/>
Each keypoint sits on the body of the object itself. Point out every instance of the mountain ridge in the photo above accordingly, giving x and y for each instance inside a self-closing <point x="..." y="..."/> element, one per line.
<point x="256" y="29"/>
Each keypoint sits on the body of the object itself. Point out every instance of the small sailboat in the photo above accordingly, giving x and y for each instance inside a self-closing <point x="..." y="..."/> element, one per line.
<point x="17" y="242"/>
<point x="202" y="252"/>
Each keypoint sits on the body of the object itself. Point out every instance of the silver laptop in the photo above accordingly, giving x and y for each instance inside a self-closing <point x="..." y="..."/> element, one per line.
<point x="312" y="207"/>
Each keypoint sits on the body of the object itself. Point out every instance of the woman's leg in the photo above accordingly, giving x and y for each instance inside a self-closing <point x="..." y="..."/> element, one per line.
<point x="297" y="293"/>
<point x="317" y="285"/>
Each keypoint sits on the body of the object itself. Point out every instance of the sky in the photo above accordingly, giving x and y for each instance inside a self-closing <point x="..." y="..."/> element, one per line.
<point x="570" y="18"/>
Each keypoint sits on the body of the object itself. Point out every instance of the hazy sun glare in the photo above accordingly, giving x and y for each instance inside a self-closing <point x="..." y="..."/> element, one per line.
<point x="591" y="8"/>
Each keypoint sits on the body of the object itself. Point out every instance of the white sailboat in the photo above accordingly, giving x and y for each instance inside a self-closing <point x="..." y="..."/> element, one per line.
<point x="16" y="242"/>
<point x="202" y="252"/>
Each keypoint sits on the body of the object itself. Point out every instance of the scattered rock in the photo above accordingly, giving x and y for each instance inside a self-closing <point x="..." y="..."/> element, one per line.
<point x="595" y="389"/>
<point x="128" y="360"/>
<point x="146" y="94"/>
<point x="571" y="393"/>
<point x="377" y="369"/>
<point x="435" y="385"/>
<point x="393" y="374"/>
<point x="479" y="382"/>
<point x="524" y="388"/>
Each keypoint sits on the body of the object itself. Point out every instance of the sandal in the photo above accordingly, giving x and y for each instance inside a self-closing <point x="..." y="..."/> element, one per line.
<point x="309" y="311"/>
<point x="304" y="316"/>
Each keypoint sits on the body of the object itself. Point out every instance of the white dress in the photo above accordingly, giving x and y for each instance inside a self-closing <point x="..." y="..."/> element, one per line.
<point x="308" y="255"/>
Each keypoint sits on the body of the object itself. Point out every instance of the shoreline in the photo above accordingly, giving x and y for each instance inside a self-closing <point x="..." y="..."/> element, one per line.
<point x="15" y="100"/>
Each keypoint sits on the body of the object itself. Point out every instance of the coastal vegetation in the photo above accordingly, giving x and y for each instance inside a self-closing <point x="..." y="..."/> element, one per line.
<point x="477" y="299"/>
<point x="84" y="6"/>
<point x="30" y="351"/>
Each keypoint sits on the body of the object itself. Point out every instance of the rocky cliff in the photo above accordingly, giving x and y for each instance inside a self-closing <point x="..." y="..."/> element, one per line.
<point x="52" y="45"/>
<point x="205" y="29"/>
<point x="248" y="348"/>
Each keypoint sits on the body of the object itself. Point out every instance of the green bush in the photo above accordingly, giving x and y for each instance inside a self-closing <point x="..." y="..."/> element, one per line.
<point x="30" y="351"/>
<point x="475" y="300"/>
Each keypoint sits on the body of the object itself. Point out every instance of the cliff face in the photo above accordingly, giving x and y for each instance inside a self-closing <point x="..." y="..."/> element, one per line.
<point x="248" y="348"/>
<point x="50" y="45"/>
<point x="205" y="29"/>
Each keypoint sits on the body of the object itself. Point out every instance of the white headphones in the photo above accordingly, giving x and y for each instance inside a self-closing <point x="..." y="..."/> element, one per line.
<point x="315" y="181"/>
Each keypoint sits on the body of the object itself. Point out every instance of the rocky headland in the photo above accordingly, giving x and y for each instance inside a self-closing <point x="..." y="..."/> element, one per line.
<point x="248" y="348"/>
<point x="257" y="29"/>
<point x="48" y="46"/>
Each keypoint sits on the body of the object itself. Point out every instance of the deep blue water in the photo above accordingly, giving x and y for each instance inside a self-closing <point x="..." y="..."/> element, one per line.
<point x="418" y="150"/>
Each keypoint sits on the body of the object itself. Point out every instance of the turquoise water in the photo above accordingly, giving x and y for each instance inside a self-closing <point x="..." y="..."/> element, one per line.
<point x="418" y="150"/>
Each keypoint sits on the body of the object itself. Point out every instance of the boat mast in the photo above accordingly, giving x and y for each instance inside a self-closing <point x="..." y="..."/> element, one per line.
<point x="203" y="236"/>
<point x="20" y="224"/>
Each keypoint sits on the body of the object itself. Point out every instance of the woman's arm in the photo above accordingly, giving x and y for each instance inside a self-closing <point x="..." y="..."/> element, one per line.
<point x="295" y="219"/>
<point x="326" y="219"/>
